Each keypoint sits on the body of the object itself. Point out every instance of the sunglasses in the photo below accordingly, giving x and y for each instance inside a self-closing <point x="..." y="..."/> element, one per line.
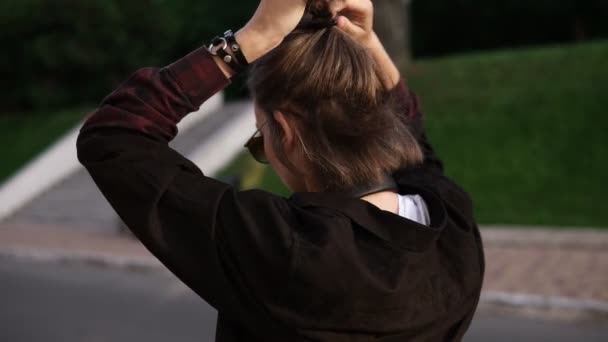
<point x="255" y="145"/>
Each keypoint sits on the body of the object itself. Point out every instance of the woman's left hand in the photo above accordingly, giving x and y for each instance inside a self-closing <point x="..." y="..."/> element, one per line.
<point x="356" y="18"/>
<point x="270" y="24"/>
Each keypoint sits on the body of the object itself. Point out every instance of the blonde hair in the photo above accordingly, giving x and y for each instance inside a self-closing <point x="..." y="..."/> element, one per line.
<point x="349" y="126"/>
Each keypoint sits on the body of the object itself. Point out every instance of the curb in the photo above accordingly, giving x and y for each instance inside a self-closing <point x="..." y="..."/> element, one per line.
<point x="134" y="263"/>
<point x="542" y="237"/>
<point x="545" y="307"/>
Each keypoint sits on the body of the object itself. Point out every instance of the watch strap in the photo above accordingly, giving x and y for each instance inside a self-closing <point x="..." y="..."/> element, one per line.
<point x="235" y="47"/>
<point x="219" y="47"/>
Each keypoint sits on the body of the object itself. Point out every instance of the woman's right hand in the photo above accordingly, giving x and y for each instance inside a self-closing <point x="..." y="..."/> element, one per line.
<point x="270" y="24"/>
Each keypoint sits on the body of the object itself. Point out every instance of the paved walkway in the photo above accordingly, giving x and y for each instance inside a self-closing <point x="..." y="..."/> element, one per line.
<point x="548" y="269"/>
<point x="77" y="202"/>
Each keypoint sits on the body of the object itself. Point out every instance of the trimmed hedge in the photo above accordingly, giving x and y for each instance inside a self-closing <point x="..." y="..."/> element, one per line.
<point x="72" y="52"/>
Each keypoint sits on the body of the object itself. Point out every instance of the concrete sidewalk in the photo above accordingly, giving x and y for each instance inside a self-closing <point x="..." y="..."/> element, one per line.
<point x="210" y="138"/>
<point x="562" y="273"/>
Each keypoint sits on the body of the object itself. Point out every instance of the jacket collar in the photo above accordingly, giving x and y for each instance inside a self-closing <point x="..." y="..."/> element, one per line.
<point x="393" y="229"/>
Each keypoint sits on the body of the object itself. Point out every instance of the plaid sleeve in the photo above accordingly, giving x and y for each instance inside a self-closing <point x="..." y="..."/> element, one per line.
<point x="230" y="247"/>
<point x="152" y="101"/>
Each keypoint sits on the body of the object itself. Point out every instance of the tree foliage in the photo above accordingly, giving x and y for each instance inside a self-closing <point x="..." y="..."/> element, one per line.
<point x="441" y="27"/>
<point x="60" y="53"/>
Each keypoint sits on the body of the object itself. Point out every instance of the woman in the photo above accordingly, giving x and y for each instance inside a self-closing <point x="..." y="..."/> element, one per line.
<point x="376" y="244"/>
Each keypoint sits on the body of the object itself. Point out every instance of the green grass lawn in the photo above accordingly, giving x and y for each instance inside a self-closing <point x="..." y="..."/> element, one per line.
<point x="24" y="135"/>
<point x="524" y="131"/>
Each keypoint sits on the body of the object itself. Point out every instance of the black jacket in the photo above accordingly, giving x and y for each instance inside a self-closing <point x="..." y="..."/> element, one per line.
<point x="312" y="267"/>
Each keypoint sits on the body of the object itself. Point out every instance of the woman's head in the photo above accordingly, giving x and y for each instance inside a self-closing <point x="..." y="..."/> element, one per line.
<point x="329" y="123"/>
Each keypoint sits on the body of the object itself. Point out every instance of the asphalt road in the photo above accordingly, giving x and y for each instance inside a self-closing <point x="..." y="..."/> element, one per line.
<point x="65" y="303"/>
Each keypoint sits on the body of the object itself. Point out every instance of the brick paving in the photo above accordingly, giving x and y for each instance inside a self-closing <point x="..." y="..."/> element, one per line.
<point x="571" y="264"/>
<point x="572" y="273"/>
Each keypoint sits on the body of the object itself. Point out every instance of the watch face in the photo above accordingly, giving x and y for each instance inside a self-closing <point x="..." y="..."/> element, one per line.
<point x="218" y="43"/>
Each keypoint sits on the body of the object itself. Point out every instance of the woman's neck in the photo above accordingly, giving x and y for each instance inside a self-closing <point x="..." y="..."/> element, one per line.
<point x="385" y="200"/>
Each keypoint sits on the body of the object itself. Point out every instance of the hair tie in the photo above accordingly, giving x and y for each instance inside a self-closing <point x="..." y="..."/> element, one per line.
<point x="318" y="23"/>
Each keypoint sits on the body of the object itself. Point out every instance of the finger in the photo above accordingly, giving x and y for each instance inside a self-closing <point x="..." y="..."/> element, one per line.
<point x="335" y="6"/>
<point x="347" y="26"/>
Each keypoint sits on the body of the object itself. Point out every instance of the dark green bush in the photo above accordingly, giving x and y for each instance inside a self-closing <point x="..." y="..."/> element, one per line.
<point x="71" y="52"/>
<point x="60" y="52"/>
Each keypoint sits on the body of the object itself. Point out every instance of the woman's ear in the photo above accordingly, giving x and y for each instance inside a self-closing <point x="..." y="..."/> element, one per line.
<point x="288" y="130"/>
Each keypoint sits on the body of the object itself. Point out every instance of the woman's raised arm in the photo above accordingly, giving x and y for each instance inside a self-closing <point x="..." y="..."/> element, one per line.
<point x="356" y="18"/>
<point x="224" y="244"/>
